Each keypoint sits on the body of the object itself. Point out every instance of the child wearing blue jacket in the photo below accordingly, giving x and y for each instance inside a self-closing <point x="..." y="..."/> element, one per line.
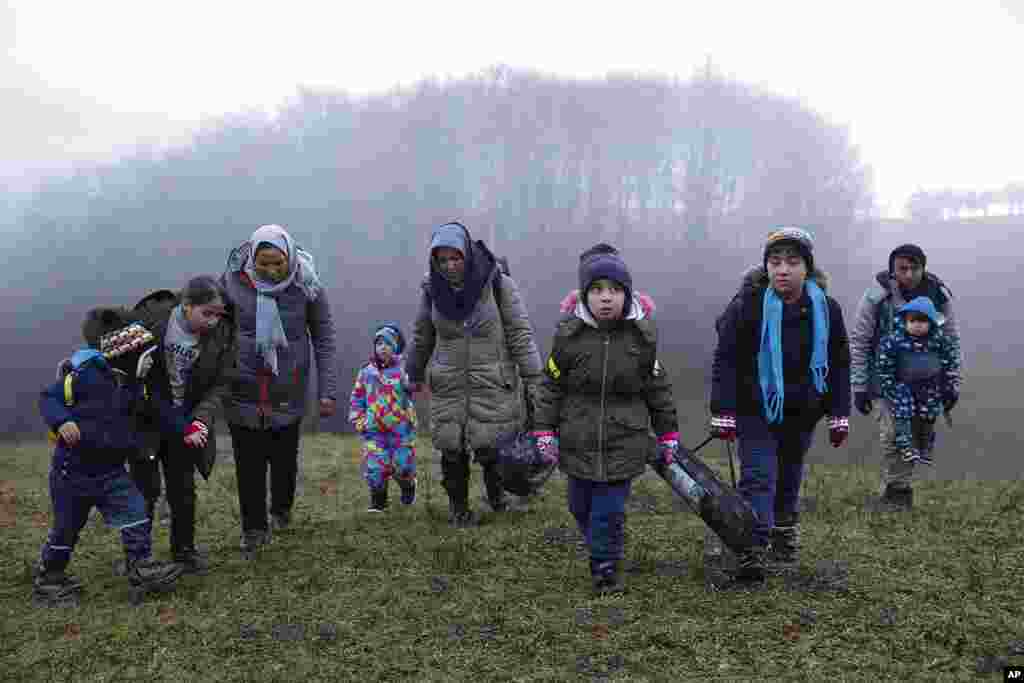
<point x="91" y="410"/>
<point x="919" y="375"/>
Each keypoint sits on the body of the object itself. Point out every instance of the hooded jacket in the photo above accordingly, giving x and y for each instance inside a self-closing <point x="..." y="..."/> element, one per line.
<point x="381" y="405"/>
<point x="470" y="364"/>
<point x="735" y="386"/>
<point x="105" y="407"/>
<point x="208" y="382"/>
<point x="605" y="392"/>
<point x="873" y="321"/>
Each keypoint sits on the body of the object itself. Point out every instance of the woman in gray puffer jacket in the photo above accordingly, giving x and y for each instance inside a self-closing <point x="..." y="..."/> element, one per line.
<point x="473" y="324"/>
<point x="280" y="307"/>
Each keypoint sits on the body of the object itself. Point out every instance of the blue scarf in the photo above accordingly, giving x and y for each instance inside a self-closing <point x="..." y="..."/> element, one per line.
<point x="769" y="357"/>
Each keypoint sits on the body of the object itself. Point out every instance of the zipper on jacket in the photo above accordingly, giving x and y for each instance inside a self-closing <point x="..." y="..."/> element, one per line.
<point x="465" y="426"/>
<point x="601" y="468"/>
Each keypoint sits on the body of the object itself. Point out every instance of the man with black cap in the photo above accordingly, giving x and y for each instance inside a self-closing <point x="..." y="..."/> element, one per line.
<point x="905" y="280"/>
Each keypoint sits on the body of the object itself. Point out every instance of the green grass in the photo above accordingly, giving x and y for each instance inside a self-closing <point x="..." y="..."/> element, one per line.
<point x="929" y="592"/>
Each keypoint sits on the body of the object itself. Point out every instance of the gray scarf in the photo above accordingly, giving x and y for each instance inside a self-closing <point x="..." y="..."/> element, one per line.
<point x="270" y="334"/>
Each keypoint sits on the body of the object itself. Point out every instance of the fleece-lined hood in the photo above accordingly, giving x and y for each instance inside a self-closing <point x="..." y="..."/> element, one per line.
<point x="756" y="278"/>
<point x="641" y="308"/>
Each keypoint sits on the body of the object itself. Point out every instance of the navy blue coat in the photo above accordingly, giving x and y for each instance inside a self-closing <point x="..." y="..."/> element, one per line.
<point x="104" y="407"/>
<point x="735" y="372"/>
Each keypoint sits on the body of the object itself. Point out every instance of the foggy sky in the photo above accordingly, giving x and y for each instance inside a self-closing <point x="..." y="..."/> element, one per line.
<point x="927" y="91"/>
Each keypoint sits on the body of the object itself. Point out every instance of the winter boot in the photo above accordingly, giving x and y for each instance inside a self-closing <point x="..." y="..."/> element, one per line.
<point x="606" y="578"/>
<point x="460" y="516"/>
<point x="785" y="546"/>
<point x="897" y="498"/>
<point x="55" y="588"/>
<point x="193" y="561"/>
<point x="495" y="492"/>
<point x="150" y="576"/>
<point x="253" y="541"/>
<point x="408" y="487"/>
<point x="378" y="499"/>
<point x="750" y="566"/>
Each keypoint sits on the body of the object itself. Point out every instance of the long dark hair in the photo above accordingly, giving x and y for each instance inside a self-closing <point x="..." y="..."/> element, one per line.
<point x="200" y="290"/>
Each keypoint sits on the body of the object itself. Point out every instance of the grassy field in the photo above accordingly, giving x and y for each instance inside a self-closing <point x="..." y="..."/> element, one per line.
<point x="344" y="595"/>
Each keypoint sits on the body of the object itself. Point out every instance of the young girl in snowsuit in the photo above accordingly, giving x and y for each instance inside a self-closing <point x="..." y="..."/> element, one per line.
<point x="919" y="375"/>
<point x="382" y="411"/>
<point x="604" y="389"/>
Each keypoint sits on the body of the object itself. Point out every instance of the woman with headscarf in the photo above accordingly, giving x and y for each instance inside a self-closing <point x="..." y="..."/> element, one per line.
<point x="474" y="331"/>
<point x="280" y="307"/>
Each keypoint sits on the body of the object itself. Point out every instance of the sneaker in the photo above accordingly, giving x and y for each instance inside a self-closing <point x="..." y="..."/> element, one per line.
<point x="911" y="455"/>
<point x="378" y="500"/>
<point x="408" y="491"/>
<point x="193" y="561"/>
<point x="55" y="589"/>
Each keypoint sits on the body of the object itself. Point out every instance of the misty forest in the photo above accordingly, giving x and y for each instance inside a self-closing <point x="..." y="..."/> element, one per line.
<point x="684" y="176"/>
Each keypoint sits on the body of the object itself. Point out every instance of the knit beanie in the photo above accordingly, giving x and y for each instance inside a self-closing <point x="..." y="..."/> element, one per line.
<point x="452" y="235"/>
<point x="798" y="238"/>
<point x="392" y="334"/>
<point x="907" y="251"/>
<point x="603" y="262"/>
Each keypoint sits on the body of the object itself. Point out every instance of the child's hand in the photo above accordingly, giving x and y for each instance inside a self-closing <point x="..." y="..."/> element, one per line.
<point x="196" y="434"/>
<point x="547" y="446"/>
<point x="723" y="426"/>
<point x="327" y="407"/>
<point x="70" y="433"/>
<point x="360" y="424"/>
<point x="838" y="430"/>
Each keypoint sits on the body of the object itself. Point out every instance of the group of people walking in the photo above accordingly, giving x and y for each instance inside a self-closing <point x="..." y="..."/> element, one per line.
<point x="146" y="388"/>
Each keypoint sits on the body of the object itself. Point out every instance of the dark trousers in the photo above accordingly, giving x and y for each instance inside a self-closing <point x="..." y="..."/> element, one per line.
<point x="455" y="474"/>
<point x="600" y="512"/>
<point x="178" y="462"/>
<point x="75" y="495"/>
<point x="255" y="450"/>
<point x="771" y="470"/>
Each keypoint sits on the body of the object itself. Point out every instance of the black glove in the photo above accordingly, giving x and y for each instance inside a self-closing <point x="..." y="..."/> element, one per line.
<point x="862" y="400"/>
<point x="949" y="401"/>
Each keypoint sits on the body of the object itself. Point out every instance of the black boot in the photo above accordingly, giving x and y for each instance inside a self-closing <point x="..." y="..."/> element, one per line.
<point x="192" y="561"/>
<point x="455" y="473"/>
<point x="408" y="487"/>
<point x="151" y="576"/>
<point x="750" y="567"/>
<point x="495" y="492"/>
<point x="378" y="499"/>
<point x="784" y="553"/>
<point x="253" y="541"/>
<point x="897" y="498"/>
<point x="54" y="588"/>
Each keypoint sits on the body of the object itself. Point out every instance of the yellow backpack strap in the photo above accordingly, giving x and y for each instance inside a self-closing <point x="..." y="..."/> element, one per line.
<point x="69" y="394"/>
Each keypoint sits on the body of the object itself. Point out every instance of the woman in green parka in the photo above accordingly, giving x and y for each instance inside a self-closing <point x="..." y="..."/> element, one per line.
<point x="472" y="344"/>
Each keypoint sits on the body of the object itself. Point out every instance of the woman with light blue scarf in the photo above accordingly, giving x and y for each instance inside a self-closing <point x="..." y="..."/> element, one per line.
<point x="781" y="364"/>
<point x="281" y="309"/>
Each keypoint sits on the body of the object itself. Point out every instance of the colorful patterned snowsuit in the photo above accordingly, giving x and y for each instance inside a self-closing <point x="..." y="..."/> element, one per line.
<point x="382" y="411"/>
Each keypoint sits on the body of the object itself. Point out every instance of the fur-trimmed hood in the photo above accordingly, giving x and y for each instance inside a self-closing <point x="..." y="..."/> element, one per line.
<point x="642" y="307"/>
<point x="756" y="278"/>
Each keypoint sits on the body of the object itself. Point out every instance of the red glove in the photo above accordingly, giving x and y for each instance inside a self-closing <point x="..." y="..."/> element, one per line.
<point x="196" y="433"/>
<point x="838" y="430"/>
<point x="668" y="447"/>
<point x="723" y="426"/>
<point x="547" y="446"/>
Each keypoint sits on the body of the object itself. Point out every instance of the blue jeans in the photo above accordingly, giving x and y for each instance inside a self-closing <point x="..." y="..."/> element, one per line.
<point x="771" y="470"/>
<point x="113" y="494"/>
<point x="600" y="512"/>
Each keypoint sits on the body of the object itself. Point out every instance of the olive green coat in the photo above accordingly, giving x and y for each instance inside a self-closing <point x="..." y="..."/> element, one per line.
<point x="606" y="394"/>
<point x="474" y="367"/>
